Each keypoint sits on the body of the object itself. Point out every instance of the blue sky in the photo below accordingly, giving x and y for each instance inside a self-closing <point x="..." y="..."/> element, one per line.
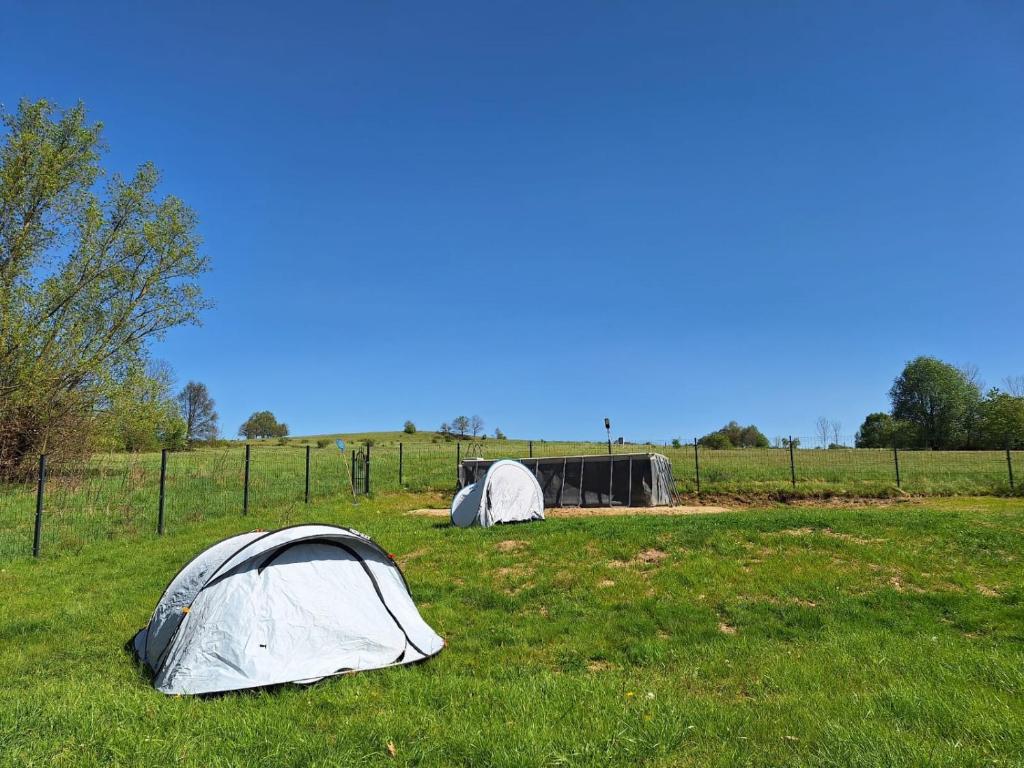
<point x="672" y="214"/>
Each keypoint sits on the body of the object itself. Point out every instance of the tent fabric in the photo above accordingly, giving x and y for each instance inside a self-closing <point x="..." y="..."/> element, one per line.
<point x="619" y="480"/>
<point x="293" y="605"/>
<point x="508" y="493"/>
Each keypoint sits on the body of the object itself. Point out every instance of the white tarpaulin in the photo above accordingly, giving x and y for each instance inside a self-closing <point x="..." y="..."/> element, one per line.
<point x="293" y="605"/>
<point x="509" y="493"/>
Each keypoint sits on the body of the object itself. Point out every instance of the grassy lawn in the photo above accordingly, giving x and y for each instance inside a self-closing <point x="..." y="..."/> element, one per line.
<point x="786" y="636"/>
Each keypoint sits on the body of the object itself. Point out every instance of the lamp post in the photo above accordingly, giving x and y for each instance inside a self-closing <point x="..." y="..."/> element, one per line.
<point x="608" y="429"/>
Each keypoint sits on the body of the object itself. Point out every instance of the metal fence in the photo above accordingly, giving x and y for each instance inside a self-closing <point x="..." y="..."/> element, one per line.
<point x="120" y="495"/>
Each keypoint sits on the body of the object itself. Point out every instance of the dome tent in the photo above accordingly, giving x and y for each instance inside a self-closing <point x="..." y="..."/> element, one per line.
<point x="508" y="493"/>
<point x="292" y="605"/>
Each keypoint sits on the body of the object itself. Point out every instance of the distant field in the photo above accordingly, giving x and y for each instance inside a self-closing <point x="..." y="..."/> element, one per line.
<point x="117" y="495"/>
<point x="762" y="637"/>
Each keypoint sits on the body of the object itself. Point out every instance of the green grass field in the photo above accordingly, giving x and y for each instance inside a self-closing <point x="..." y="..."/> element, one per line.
<point x="117" y="495"/>
<point x="795" y="636"/>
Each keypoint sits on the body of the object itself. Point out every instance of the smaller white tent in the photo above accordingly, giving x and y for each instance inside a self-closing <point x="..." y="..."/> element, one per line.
<point x="294" y="605"/>
<point x="508" y="493"/>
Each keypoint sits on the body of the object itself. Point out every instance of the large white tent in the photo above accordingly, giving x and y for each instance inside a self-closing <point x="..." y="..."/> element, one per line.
<point x="508" y="493"/>
<point x="293" y="605"/>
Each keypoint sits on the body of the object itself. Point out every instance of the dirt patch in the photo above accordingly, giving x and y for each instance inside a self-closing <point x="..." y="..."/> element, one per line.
<point x="697" y="509"/>
<point x="511" y="545"/>
<point x="556" y="512"/>
<point x="987" y="591"/>
<point x="599" y="665"/>
<point x="430" y="512"/>
<point x="606" y="583"/>
<point x="651" y="556"/>
<point x="726" y="629"/>
<point x="404" y="560"/>
<point x="514" y="572"/>
<point x="646" y="557"/>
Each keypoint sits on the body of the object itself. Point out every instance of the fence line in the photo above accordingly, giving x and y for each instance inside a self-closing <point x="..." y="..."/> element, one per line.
<point x="69" y="503"/>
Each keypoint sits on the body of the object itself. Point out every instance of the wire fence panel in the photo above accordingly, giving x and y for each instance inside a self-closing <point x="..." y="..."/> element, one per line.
<point x="119" y="495"/>
<point x="203" y="484"/>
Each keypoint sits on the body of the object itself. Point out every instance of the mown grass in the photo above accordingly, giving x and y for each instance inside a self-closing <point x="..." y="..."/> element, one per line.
<point x="784" y="636"/>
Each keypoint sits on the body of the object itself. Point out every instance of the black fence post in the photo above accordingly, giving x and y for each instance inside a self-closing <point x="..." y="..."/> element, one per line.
<point x="531" y="449"/>
<point x="353" y="482"/>
<point x="792" y="462"/>
<point x="401" y="465"/>
<point x="896" y="461"/>
<point x="163" y="485"/>
<point x="245" y="487"/>
<point x="37" y="534"/>
<point x="1009" y="463"/>
<point x="307" y="474"/>
<point x="366" y="480"/>
<point x="458" y="461"/>
<point x="696" y="463"/>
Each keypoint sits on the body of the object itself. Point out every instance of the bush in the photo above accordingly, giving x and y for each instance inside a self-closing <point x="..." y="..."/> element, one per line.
<point x="676" y="443"/>
<point x="322" y="443"/>
<point x="409" y="428"/>
<point x="282" y="441"/>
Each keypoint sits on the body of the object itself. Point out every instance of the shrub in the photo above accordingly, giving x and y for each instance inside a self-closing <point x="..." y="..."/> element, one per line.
<point x="409" y="428"/>
<point x="322" y="443"/>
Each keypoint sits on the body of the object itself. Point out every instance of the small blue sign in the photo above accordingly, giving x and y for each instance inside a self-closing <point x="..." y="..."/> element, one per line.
<point x="340" y="444"/>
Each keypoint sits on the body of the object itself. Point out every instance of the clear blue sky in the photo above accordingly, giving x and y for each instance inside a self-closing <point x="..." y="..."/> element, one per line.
<point x="673" y="214"/>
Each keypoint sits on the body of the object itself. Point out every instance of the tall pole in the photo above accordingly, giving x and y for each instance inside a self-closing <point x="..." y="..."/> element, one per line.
<point x="37" y="534"/>
<point x="163" y="484"/>
<point x="366" y="479"/>
<point x="307" y="474"/>
<point x="608" y="429"/>
<point x="1009" y="463"/>
<point x="458" y="461"/>
<point x="245" y="487"/>
<point x="792" y="462"/>
<point x="696" y="463"/>
<point x="400" y="464"/>
<point x="896" y="460"/>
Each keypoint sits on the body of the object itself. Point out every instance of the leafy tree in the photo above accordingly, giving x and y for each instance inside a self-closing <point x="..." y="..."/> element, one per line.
<point x="409" y="428"/>
<point x="139" y="414"/>
<point x="197" y="410"/>
<point x="89" y="276"/>
<point x="877" y="431"/>
<point x="262" y="424"/>
<point x="938" y="401"/>
<point x="476" y="425"/>
<point x="716" y="440"/>
<point x="732" y="435"/>
<point x="460" y="425"/>
<point x="1002" y="420"/>
<point x="676" y="442"/>
<point x="498" y="434"/>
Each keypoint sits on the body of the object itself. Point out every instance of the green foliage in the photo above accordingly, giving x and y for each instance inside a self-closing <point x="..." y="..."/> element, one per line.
<point x="877" y="431"/>
<point x="262" y="424"/>
<point x="676" y="443"/>
<point x="498" y="434"/>
<point x="1002" y="420"/>
<point x="139" y="414"/>
<point x="409" y="428"/>
<point x="88" y="277"/>
<point x="197" y="410"/>
<point x="938" y="402"/>
<point x="321" y="443"/>
<point x="732" y="435"/>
